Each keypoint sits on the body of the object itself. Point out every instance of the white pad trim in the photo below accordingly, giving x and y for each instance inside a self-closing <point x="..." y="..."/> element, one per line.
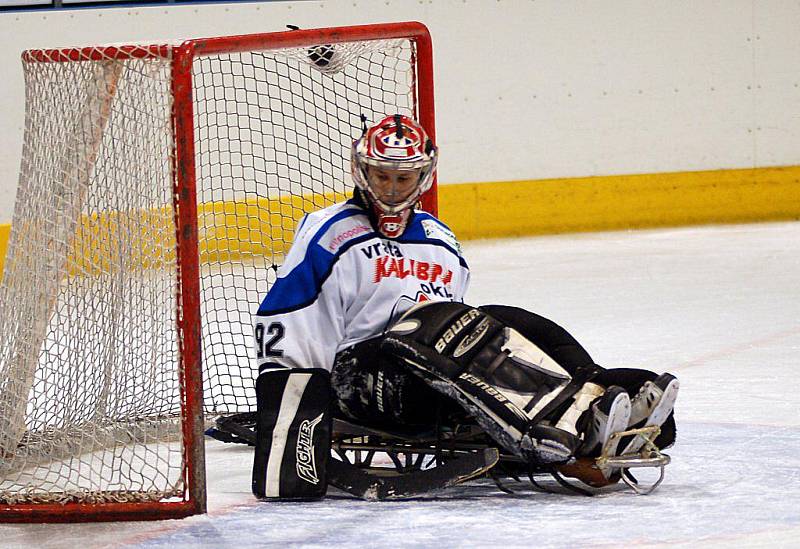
<point x="527" y="353"/>
<point x="582" y="399"/>
<point x="292" y="394"/>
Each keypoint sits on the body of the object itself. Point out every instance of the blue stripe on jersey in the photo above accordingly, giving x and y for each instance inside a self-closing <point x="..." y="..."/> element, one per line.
<point x="301" y="287"/>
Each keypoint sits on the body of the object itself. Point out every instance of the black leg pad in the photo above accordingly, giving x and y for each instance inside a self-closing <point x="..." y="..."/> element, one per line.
<point x="293" y="434"/>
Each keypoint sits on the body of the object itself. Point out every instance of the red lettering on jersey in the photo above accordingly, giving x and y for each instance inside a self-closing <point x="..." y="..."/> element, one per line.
<point x="447" y="278"/>
<point x="386" y="267"/>
<point x="394" y="269"/>
<point x="380" y="268"/>
<point x="402" y="272"/>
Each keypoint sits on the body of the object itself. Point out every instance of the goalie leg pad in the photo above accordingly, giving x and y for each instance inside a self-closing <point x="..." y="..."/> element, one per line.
<point x="293" y="434"/>
<point x="507" y="382"/>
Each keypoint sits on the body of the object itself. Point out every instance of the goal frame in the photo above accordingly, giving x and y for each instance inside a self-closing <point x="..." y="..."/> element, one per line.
<point x="186" y="224"/>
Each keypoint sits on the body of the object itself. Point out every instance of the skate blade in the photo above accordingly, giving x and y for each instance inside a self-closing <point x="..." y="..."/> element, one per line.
<point x="648" y="456"/>
<point x="608" y="468"/>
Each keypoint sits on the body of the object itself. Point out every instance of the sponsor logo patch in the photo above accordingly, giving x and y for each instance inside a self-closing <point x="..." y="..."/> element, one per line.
<point x="384" y="247"/>
<point x="426" y="271"/>
<point x="340" y="238"/>
<point x="435" y="230"/>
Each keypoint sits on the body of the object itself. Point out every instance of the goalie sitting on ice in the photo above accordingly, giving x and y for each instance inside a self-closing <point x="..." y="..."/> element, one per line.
<point x="342" y="333"/>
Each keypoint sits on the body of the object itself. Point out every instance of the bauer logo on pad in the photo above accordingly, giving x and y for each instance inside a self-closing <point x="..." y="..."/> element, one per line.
<point x="473" y="338"/>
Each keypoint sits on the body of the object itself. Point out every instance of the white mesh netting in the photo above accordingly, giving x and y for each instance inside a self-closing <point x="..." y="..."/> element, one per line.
<point x="89" y="387"/>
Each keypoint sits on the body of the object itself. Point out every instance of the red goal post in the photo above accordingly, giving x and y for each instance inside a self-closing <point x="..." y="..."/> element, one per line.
<point x="96" y="252"/>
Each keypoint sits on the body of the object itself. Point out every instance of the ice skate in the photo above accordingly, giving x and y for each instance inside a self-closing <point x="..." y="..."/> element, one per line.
<point x="609" y="414"/>
<point x="651" y="407"/>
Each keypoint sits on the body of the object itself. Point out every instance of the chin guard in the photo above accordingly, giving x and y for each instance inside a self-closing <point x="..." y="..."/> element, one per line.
<point x="391" y="225"/>
<point x="608" y="469"/>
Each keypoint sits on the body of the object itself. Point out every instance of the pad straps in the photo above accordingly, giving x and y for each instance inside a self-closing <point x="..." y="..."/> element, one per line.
<point x="553" y="409"/>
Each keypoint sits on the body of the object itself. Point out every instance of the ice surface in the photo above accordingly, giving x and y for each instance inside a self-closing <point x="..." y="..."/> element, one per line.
<point x="717" y="306"/>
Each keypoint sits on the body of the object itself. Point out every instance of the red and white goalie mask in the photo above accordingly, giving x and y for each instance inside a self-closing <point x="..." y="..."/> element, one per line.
<point x="393" y="163"/>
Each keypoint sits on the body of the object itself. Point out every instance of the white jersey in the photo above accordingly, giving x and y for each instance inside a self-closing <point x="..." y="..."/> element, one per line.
<point x="343" y="282"/>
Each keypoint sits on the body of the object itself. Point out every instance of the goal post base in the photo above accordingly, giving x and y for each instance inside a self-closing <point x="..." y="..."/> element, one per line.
<point x="103" y="512"/>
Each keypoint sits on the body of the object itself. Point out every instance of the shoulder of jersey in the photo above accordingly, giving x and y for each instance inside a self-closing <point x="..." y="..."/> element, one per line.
<point x="319" y="239"/>
<point x="425" y="226"/>
<point x="335" y="226"/>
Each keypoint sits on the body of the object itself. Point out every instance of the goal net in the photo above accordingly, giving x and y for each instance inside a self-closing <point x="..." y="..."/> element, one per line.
<point x="159" y="189"/>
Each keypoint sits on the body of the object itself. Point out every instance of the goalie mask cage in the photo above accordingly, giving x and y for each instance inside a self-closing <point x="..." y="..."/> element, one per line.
<point x="159" y="187"/>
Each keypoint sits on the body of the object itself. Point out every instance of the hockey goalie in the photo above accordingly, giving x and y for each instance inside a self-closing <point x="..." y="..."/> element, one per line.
<point x="365" y="345"/>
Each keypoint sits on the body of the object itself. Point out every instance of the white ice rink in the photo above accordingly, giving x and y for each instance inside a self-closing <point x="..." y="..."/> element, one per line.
<point x="717" y="306"/>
